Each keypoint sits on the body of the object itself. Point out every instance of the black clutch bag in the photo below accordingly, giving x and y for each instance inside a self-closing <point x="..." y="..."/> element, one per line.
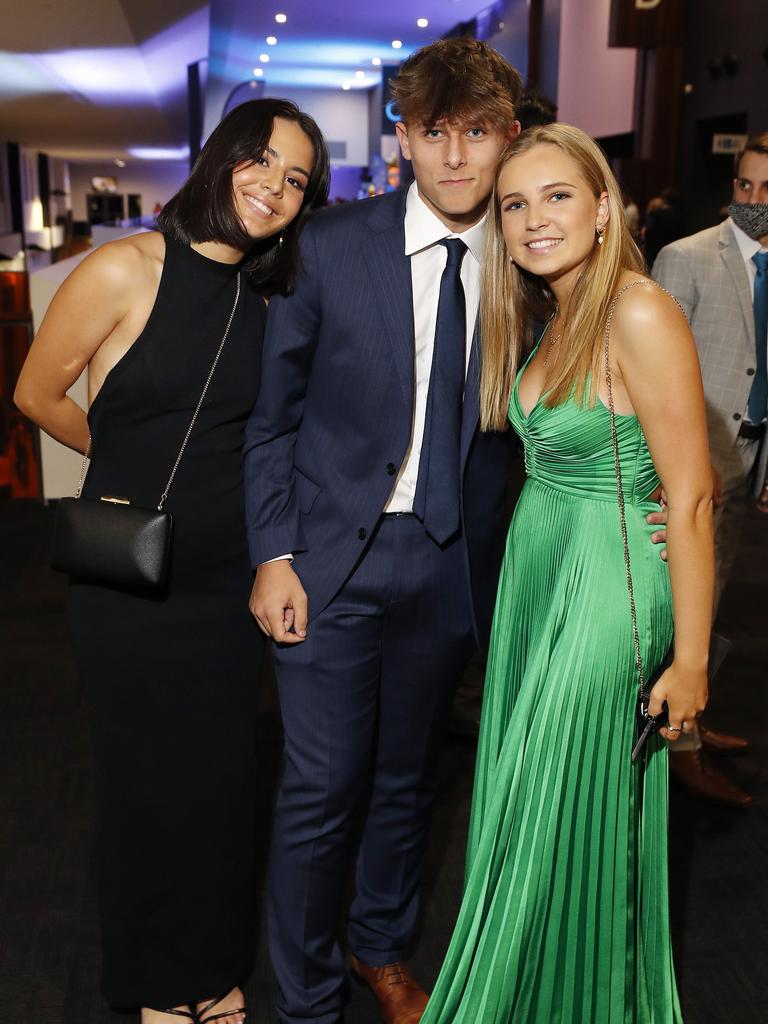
<point x="648" y="724"/>
<point x="113" y="542"/>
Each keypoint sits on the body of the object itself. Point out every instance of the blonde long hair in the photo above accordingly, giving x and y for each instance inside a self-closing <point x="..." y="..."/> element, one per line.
<point x="512" y="298"/>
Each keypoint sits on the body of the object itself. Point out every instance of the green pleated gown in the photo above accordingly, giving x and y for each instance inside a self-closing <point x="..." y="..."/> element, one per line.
<point x="565" y="912"/>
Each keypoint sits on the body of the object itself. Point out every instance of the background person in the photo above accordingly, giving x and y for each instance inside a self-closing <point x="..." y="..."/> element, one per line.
<point x="720" y="277"/>
<point x="535" y="108"/>
<point x="664" y="223"/>
<point x="171" y="680"/>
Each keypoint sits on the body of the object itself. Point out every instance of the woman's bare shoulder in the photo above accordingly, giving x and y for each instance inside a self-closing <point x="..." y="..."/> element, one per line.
<point x="643" y="305"/>
<point x="126" y="263"/>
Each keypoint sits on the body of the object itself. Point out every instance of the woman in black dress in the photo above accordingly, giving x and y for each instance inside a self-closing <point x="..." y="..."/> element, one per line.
<point x="171" y="680"/>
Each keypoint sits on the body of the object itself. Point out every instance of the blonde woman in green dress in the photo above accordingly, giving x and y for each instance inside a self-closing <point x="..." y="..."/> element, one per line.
<point x="565" y="913"/>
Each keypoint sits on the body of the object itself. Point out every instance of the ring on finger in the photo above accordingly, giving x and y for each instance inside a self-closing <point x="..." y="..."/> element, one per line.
<point x="674" y="728"/>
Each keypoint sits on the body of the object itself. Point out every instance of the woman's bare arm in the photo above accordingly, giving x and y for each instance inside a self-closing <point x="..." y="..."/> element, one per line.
<point x="655" y="356"/>
<point x="88" y="308"/>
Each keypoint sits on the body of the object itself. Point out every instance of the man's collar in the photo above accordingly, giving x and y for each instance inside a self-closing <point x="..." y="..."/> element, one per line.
<point x="747" y="246"/>
<point x="423" y="228"/>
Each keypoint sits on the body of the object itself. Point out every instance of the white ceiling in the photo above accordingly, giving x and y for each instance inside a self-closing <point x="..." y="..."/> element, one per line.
<point x="90" y="79"/>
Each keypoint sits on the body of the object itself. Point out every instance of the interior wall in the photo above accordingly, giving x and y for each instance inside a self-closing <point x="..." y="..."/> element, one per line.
<point x="512" y="38"/>
<point x="595" y="84"/>
<point x="32" y="206"/>
<point x="341" y="117"/>
<point x="154" y="180"/>
<point x="6" y="218"/>
<point x="739" y="99"/>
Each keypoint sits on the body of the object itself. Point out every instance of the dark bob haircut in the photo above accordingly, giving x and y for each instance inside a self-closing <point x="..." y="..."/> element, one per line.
<point x="203" y="210"/>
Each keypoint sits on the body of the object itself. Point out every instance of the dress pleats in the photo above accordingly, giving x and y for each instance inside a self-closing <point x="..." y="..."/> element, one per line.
<point x="565" y="912"/>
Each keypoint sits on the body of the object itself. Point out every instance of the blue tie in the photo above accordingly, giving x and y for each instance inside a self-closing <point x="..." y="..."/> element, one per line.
<point x="758" y="396"/>
<point x="436" y="501"/>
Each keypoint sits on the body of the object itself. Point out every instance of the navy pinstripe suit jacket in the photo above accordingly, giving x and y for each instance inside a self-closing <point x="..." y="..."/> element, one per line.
<point x="335" y="409"/>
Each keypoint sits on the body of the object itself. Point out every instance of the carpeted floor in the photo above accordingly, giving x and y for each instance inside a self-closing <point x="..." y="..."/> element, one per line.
<point x="48" y="927"/>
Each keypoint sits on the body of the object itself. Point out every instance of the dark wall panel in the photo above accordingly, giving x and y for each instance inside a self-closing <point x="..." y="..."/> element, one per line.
<point x="724" y="95"/>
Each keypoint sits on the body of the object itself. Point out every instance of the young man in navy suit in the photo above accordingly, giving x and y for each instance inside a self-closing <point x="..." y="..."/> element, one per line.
<point x="364" y="465"/>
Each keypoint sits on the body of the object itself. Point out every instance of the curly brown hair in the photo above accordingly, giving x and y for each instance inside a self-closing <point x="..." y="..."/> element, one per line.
<point x="457" y="80"/>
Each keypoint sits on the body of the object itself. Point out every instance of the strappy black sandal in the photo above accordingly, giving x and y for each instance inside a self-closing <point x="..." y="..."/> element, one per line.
<point x="202" y="1019"/>
<point x="189" y="1014"/>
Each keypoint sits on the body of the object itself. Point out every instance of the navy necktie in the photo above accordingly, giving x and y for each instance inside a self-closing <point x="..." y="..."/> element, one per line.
<point x="436" y="501"/>
<point x="758" y="396"/>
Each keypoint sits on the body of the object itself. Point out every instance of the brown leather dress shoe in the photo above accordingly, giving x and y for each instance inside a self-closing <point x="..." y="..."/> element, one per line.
<point x="722" y="742"/>
<point x="400" y="999"/>
<point x="694" y="770"/>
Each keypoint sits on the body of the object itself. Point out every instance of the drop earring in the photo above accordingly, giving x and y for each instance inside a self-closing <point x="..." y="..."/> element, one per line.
<point x="600" y="233"/>
<point x="280" y="242"/>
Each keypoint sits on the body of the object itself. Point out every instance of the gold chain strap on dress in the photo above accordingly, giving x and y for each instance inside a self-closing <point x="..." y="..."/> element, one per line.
<point x="617" y="465"/>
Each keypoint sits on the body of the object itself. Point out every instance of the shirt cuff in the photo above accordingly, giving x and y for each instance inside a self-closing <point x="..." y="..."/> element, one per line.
<point x="279" y="558"/>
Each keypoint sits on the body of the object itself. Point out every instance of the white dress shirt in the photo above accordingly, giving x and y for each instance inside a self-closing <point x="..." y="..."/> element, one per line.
<point x="748" y="247"/>
<point x="423" y="233"/>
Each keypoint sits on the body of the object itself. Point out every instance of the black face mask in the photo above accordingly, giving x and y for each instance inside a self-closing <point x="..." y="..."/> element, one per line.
<point x="752" y="218"/>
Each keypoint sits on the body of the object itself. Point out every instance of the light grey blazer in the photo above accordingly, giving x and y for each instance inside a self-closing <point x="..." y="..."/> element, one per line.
<point x="706" y="274"/>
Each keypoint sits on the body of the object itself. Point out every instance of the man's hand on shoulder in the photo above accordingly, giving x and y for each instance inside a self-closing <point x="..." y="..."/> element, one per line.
<point x="659" y="519"/>
<point x="279" y="602"/>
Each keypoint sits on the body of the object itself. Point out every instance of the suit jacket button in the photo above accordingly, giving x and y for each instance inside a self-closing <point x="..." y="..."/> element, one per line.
<point x="362" y="533"/>
<point x="751" y="371"/>
<point x="737" y="415"/>
<point x="392" y="468"/>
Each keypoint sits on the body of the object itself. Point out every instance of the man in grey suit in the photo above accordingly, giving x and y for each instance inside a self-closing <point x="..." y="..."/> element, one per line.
<point x="720" y="277"/>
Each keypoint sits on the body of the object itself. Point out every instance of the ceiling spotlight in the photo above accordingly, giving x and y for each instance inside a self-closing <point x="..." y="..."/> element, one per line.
<point x="281" y="18"/>
<point x="346" y="87"/>
<point x="422" y="22"/>
<point x="376" y="61"/>
<point x="359" y="74"/>
<point x="396" y="44"/>
<point x="271" y="40"/>
<point x="258" y="72"/>
<point x="119" y="162"/>
<point x="264" y="58"/>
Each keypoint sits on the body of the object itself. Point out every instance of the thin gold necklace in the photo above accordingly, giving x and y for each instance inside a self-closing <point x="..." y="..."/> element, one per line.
<point x="553" y="340"/>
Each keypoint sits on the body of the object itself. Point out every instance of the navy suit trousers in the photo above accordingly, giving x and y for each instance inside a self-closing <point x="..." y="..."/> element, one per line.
<point x="364" y="700"/>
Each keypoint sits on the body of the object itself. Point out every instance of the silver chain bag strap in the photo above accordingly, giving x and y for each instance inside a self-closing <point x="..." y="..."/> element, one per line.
<point x="110" y="541"/>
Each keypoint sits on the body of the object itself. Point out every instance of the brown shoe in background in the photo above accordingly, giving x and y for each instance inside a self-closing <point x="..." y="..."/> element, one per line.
<point x="694" y="770"/>
<point x="722" y="742"/>
<point x="400" y="999"/>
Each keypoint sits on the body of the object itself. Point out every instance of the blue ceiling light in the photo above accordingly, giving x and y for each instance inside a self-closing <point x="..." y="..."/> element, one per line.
<point x="159" y="153"/>
<point x="323" y="51"/>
